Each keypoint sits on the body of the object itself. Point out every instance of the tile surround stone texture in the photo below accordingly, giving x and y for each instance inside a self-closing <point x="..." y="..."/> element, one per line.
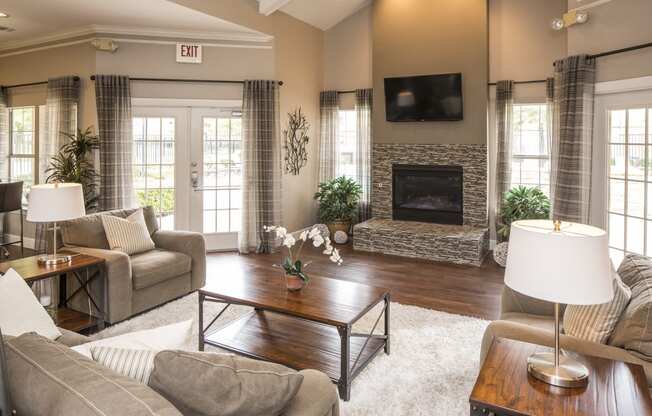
<point x="471" y="157"/>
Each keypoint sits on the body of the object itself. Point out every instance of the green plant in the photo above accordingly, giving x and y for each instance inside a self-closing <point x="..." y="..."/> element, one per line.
<point x="74" y="164"/>
<point x="338" y="199"/>
<point x="522" y="203"/>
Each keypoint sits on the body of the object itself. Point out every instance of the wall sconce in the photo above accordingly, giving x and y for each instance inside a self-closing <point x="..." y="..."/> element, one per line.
<point x="569" y="19"/>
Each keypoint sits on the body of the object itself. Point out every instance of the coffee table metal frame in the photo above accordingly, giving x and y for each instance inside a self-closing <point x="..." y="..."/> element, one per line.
<point x="348" y="371"/>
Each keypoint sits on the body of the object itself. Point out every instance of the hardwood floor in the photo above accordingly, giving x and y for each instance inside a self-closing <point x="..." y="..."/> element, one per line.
<point x="464" y="290"/>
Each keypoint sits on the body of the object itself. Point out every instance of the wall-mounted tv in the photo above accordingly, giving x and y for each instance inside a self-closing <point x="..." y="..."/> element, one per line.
<point x="424" y="98"/>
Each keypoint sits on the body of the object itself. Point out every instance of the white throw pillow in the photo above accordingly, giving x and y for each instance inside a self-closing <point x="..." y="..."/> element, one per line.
<point x="137" y="364"/>
<point x="20" y="310"/>
<point x="171" y="337"/>
<point x="596" y="322"/>
<point x="129" y="235"/>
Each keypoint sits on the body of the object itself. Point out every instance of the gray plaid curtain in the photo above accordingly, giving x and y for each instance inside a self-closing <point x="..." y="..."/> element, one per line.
<point x="60" y="117"/>
<point x="261" y="165"/>
<point x="572" y="138"/>
<point x="4" y="135"/>
<point x="113" y="97"/>
<point x="328" y="115"/>
<point x="363" y="107"/>
<point x="504" y="132"/>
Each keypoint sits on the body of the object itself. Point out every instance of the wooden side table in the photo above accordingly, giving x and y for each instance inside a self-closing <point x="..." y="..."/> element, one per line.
<point x="504" y="388"/>
<point x="84" y="268"/>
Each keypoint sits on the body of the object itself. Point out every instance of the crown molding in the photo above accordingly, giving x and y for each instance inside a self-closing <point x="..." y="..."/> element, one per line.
<point x="268" y="7"/>
<point x="137" y="32"/>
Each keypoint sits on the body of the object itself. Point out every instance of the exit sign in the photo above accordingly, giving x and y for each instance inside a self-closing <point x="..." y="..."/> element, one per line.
<point x="189" y="53"/>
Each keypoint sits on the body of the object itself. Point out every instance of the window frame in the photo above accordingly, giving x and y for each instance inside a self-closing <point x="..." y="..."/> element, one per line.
<point x="36" y="123"/>
<point x="540" y="157"/>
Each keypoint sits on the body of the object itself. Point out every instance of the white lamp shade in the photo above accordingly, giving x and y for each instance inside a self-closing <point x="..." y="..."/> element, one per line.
<point x="55" y="202"/>
<point x="570" y="266"/>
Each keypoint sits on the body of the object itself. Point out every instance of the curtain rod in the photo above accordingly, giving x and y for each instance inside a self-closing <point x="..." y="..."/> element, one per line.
<point x="29" y="84"/>
<point x="598" y="55"/>
<point x="209" y="81"/>
<point x="346" y="92"/>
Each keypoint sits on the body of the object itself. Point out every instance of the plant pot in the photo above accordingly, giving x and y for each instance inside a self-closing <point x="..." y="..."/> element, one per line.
<point x="500" y="253"/>
<point x="334" y="226"/>
<point x="294" y="283"/>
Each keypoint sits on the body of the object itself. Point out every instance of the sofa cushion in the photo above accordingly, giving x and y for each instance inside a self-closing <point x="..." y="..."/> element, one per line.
<point x="156" y="266"/>
<point x="208" y="384"/>
<point x="129" y="235"/>
<point x="634" y="329"/>
<point x="48" y="378"/>
<point x="89" y="232"/>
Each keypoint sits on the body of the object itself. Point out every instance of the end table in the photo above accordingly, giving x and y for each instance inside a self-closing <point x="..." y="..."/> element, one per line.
<point x="84" y="268"/>
<point x="504" y="387"/>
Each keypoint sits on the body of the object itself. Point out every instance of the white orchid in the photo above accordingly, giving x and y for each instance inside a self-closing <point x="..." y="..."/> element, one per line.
<point x="289" y="241"/>
<point x="304" y="235"/>
<point x="317" y="240"/>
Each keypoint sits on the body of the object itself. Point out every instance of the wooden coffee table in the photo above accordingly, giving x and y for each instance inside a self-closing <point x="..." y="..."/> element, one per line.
<point x="307" y="329"/>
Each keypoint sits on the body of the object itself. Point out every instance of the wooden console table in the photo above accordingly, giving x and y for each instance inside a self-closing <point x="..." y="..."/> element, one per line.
<point x="32" y="271"/>
<point x="504" y="388"/>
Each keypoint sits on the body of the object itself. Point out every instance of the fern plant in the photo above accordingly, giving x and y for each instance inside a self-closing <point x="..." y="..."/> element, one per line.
<point x="338" y="199"/>
<point x="522" y="203"/>
<point x="74" y="164"/>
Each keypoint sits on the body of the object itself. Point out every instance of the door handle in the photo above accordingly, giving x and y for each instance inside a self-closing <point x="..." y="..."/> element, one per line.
<point x="194" y="179"/>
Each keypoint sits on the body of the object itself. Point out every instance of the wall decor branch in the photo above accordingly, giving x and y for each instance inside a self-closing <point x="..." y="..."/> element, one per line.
<point x="296" y="140"/>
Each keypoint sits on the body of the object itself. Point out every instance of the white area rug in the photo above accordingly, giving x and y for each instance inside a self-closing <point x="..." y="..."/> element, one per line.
<point x="431" y="369"/>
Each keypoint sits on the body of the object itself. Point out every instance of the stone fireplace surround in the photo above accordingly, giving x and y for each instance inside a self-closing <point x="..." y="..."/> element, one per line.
<point x="461" y="244"/>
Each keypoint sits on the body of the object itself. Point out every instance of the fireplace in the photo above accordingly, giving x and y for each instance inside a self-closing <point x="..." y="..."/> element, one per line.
<point x="427" y="193"/>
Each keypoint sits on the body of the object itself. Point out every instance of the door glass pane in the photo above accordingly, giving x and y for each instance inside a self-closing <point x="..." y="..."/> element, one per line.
<point x="636" y="162"/>
<point x="649" y="239"/>
<point x="616" y="256"/>
<point x="617" y="161"/>
<point x="617" y="196"/>
<point x="617" y="123"/>
<point x="636" y="123"/>
<point x="635" y="235"/>
<point x="617" y="231"/>
<point x="636" y="199"/>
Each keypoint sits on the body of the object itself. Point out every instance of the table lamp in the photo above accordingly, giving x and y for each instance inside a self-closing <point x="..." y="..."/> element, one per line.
<point x="52" y="203"/>
<point x="560" y="263"/>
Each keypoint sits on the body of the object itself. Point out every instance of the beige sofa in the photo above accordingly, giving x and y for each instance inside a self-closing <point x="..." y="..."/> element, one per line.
<point x="48" y="378"/>
<point x="531" y="320"/>
<point x="133" y="284"/>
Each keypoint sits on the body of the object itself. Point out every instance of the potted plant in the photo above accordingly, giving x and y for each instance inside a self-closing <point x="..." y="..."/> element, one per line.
<point x="519" y="203"/>
<point x="338" y="203"/>
<point x="295" y="268"/>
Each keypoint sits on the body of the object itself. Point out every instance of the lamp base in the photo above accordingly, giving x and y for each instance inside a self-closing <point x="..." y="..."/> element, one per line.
<point x="52" y="259"/>
<point x="570" y="373"/>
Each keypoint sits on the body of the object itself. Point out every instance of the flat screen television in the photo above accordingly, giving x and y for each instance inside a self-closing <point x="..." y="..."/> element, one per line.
<point x="424" y="98"/>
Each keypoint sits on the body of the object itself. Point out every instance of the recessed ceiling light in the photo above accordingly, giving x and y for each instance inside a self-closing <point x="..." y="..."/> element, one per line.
<point x="2" y="14"/>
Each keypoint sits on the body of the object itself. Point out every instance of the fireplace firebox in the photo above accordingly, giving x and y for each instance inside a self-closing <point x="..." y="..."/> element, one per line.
<point x="428" y="193"/>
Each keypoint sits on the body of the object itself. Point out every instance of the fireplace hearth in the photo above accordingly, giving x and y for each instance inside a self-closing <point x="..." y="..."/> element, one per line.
<point x="428" y="193"/>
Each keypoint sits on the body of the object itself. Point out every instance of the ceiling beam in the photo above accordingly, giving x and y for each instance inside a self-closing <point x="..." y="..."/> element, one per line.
<point x="268" y="7"/>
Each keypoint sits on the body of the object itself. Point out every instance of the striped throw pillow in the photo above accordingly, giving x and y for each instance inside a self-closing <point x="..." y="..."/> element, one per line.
<point x="137" y="364"/>
<point x="596" y="322"/>
<point x="129" y="235"/>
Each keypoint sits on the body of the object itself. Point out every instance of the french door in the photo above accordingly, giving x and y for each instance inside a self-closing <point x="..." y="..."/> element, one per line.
<point x="187" y="165"/>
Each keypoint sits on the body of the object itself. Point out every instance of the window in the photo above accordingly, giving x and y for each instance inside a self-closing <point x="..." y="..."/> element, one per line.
<point x="222" y="173"/>
<point x="153" y="166"/>
<point x="629" y="211"/>
<point x="530" y="149"/>
<point x="347" y="144"/>
<point x="23" y="146"/>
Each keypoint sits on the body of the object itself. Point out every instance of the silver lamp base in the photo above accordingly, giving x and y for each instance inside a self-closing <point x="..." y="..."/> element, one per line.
<point x="52" y="259"/>
<point x="569" y="373"/>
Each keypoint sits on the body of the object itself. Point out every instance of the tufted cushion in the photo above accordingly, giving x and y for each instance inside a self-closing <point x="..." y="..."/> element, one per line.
<point x="156" y="266"/>
<point x="634" y="330"/>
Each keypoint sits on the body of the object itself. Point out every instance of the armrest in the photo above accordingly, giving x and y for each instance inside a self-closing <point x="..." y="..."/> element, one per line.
<point x="533" y="335"/>
<point x="512" y="301"/>
<point x="316" y="397"/>
<point x="189" y="243"/>
<point x="119" y="285"/>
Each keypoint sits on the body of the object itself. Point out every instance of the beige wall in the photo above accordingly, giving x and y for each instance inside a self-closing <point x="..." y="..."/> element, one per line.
<point x="347" y="56"/>
<point x="416" y="37"/>
<point x="298" y="55"/>
<point x="615" y="25"/>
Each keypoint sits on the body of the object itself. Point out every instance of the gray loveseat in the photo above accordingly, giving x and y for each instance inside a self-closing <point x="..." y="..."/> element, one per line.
<point x="49" y="378"/>
<point x="176" y="267"/>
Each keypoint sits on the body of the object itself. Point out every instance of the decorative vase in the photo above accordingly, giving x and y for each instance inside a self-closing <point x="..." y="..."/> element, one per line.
<point x="336" y="226"/>
<point x="294" y="283"/>
<point x="500" y="253"/>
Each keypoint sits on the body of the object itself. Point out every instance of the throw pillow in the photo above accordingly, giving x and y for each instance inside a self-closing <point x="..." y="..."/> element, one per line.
<point x="129" y="235"/>
<point x="634" y="330"/>
<point x="20" y="310"/>
<point x="175" y="336"/>
<point x="595" y="323"/>
<point x="137" y="364"/>
<point x="209" y="384"/>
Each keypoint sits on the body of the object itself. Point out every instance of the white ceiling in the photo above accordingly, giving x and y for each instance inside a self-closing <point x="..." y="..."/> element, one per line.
<point x="45" y="18"/>
<point x="322" y="14"/>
